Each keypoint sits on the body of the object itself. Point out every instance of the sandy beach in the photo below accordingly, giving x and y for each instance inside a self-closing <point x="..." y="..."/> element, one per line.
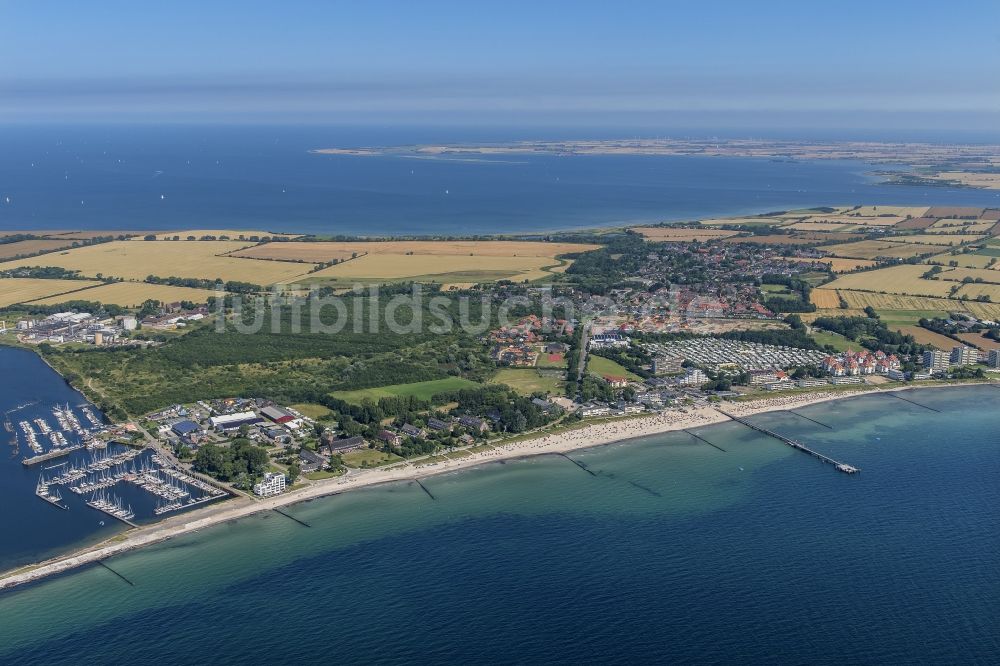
<point x="596" y="434"/>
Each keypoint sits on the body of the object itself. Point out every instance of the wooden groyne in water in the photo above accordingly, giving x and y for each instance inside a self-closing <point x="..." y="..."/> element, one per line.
<point x="839" y="466"/>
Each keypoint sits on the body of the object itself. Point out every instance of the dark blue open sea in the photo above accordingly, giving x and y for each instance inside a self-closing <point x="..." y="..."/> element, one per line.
<point x="186" y="177"/>
<point x="675" y="552"/>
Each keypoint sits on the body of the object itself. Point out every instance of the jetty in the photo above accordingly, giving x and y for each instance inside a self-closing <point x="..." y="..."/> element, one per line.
<point x="839" y="466"/>
<point x="51" y="455"/>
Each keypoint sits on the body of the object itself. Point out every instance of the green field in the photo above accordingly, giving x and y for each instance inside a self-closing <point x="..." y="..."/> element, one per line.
<point x="893" y="318"/>
<point x="598" y="365"/>
<point x="423" y="390"/>
<point x="835" y="340"/>
<point x="369" y="458"/>
<point x="311" y="410"/>
<point x="527" y="381"/>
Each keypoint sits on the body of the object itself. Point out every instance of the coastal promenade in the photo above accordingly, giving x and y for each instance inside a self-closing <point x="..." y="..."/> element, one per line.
<point x="597" y="434"/>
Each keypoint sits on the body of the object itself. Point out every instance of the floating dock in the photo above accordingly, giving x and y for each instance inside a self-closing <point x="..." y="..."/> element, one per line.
<point x="839" y="466"/>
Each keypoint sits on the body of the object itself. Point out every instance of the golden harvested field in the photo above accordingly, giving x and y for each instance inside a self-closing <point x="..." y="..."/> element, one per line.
<point x="904" y="279"/>
<point x="448" y="269"/>
<point x="22" y="248"/>
<point x="135" y="260"/>
<point x="989" y="181"/>
<point x="772" y="239"/>
<point x="938" y="239"/>
<point x="20" y="290"/>
<point x="971" y="227"/>
<point x="862" y="299"/>
<point x="745" y="221"/>
<point x="860" y="220"/>
<point x="976" y="290"/>
<point x="870" y="249"/>
<point x="325" y="251"/>
<point x="133" y="294"/>
<point x="824" y="298"/>
<point x="836" y="264"/>
<point x="234" y="234"/>
<point x="925" y="337"/>
<point x="958" y="274"/>
<point x="900" y="211"/>
<point x="819" y="226"/>
<point x="964" y="260"/>
<point x="667" y="234"/>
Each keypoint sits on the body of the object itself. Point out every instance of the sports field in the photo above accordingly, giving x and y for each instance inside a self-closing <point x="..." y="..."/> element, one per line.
<point x="20" y="290"/>
<point x="132" y="294"/>
<point x="423" y="390"/>
<point x="134" y="260"/>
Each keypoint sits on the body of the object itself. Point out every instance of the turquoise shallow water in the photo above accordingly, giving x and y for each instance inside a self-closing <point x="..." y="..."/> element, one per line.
<point x="674" y="551"/>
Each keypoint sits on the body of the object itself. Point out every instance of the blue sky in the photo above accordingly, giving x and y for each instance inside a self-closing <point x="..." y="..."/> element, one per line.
<point x="499" y="61"/>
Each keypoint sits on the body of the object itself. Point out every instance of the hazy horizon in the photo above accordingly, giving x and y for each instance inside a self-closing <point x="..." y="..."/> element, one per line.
<point x="712" y="64"/>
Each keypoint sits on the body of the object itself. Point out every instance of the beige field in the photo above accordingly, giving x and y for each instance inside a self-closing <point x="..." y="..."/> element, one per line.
<point x="824" y="298"/>
<point x="987" y="275"/>
<point x="964" y="260"/>
<point x="135" y="260"/>
<point x="667" y="234"/>
<point x="234" y="234"/>
<point x="860" y="220"/>
<point x="22" y="248"/>
<point x="447" y="269"/>
<point x="899" y="211"/>
<point x="925" y="337"/>
<point x="904" y="279"/>
<point x="861" y="300"/>
<point x="870" y="249"/>
<point x="772" y="239"/>
<point x="325" y="251"/>
<point x="969" y="226"/>
<point x="836" y="264"/>
<point x="747" y="221"/>
<point x="133" y="294"/>
<point x="939" y="239"/>
<point x="989" y="181"/>
<point x="20" y="290"/>
<point x="820" y="226"/>
<point x="976" y="290"/>
<point x="810" y="317"/>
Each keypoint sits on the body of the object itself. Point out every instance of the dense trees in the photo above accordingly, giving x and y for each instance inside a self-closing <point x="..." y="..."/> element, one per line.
<point x="241" y="461"/>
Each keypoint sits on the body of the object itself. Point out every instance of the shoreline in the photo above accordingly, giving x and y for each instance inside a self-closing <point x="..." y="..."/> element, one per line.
<point x="600" y="433"/>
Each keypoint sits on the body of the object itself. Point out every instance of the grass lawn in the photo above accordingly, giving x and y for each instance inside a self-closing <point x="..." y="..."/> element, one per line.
<point x="774" y="289"/>
<point x="311" y="410"/>
<point x="323" y="474"/>
<point x="373" y="457"/>
<point x="600" y="366"/>
<point x="527" y="381"/>
<point x="835" y="340"/>
<point x="422" y="390"/>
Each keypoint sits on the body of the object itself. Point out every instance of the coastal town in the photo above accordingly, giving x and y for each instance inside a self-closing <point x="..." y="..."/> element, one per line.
<point x="660" y="328"/>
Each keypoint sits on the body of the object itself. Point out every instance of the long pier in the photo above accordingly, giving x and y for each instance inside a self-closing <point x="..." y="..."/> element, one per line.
<point x="839" y="466"/>
<point x="51" y="455"/>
